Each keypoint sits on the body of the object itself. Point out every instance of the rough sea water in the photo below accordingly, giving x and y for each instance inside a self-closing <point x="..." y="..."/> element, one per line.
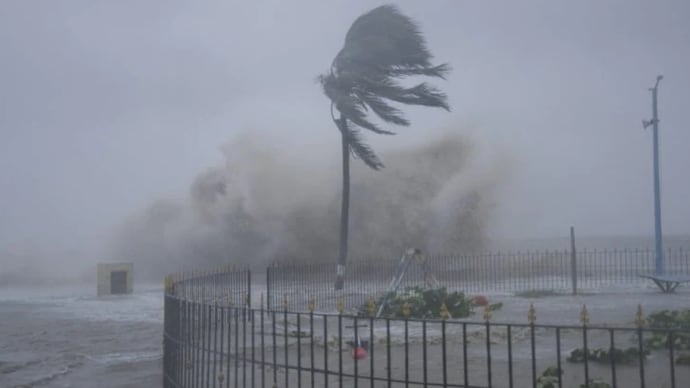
<point x="68" y="337"/>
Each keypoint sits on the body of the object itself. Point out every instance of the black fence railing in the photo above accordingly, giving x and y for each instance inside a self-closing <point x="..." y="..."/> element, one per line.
<point x="216" y="342"/>
<point x="563" y="271"/>
<point x="229" y="286"/>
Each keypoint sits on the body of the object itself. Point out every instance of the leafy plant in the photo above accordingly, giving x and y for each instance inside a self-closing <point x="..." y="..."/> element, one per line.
<point x="549" y="378"/>
<point x="671" y="320"/>
<point x="596" y="383"/>
<point x="298" y="334"/>
<point x="620" y="356"/>
<point x="423" y="303"/>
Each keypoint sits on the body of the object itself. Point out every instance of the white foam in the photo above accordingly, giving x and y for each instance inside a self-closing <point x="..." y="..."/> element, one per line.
<point x="120" y="358"/>
<point x="144" y="305"/>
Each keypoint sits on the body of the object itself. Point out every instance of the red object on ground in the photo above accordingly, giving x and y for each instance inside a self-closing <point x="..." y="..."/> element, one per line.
<point x="480" y="300"/>
<point x="359" y="353"/>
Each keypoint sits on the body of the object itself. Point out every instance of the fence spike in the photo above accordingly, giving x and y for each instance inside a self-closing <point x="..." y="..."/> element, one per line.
<point x="341" y="305"/>
<point x="584" y="315"/>
<point x="311" y="304"/>
<point x="487" y="313"/>
<point x="371" y="307"/>
<point x="443" y="311"/>
<point x="639" y="316"/>
<point x="406" y="310"/>
<point x="531" y="314"/>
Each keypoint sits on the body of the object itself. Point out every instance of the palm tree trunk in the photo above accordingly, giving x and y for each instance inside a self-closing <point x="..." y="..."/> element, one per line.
<point x="345" y="206"/>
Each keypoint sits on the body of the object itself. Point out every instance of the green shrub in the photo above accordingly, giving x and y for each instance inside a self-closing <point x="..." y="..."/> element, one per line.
<point x="423" y="303"/>
<point x="604" y="356"/>
<point x="596" y="383"/>
<point x="548" y="378"/>
<point x="670" y="319"/>
<point x="673" y="320"/>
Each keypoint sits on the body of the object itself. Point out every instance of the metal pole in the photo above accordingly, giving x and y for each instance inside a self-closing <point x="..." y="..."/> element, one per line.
<point x="269" y="302"/>
<point x="659" y="261"/>
<point x="573" y="260"/>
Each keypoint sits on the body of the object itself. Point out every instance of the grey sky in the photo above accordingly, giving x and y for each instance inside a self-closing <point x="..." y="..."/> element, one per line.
<point x="106" y="105"/>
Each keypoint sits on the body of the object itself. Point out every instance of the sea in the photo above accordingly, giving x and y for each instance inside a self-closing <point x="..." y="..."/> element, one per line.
<point x="69" y="337"/>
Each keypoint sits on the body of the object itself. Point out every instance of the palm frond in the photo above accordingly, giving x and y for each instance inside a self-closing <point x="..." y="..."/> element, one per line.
<point x="384" y="37"/>
<point x="349" y="105"/>
<point x="382" y="109"/>
<point x="381" y="46"/>
<point x="361" y="150"/>
<point x="420" y="94"/>
<point x="440" y="71"/>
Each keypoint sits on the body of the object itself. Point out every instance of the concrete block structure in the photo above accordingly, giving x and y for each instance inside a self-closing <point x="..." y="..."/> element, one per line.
<point x="115" y="278"/>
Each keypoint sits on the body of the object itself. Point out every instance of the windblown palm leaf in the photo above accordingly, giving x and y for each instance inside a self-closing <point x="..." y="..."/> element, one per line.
<point x="381" y="46"/>
<point x="360" y="149"/>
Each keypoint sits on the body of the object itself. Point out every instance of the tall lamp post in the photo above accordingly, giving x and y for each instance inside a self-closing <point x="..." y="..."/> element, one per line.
<point x="654" y="122"/>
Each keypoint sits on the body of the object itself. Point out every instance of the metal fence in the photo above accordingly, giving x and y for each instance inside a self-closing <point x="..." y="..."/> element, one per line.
<point x="216" y="337"/>
<point x="562" y="271"/>
<point x="216" y="342"/>
<point x="228" y="285"/>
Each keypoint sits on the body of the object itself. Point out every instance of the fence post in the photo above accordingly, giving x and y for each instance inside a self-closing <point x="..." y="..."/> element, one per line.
<point x="268" y="288"/>
<point x="573" y="260"/>
<point x="249" y="288"/>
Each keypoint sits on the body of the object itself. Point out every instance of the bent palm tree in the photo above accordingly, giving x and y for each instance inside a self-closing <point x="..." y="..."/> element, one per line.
<point x="382" y="45"/>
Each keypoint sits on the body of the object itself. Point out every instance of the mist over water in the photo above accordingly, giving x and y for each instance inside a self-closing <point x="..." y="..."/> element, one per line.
<point x="263" y="205"/>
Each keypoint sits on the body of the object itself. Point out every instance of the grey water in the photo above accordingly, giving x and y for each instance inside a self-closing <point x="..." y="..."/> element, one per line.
<point x="68" y="337"/>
